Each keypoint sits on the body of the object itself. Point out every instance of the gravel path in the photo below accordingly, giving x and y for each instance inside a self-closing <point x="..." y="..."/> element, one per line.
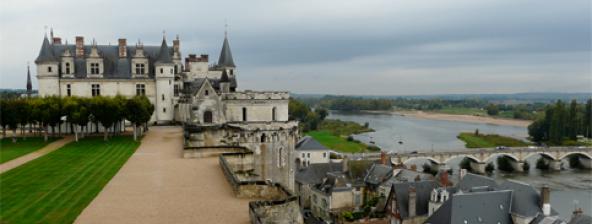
<point x="156" y="185"/>
<point x="35" y="154"/>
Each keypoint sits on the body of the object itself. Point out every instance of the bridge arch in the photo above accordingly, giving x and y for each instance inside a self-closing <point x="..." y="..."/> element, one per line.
<point x="431" y="159"/>
<point x="545" y="155"/>
<point x="498" y="154"/>
<point x="471" y="157"/>
<point x="575" y="153"/>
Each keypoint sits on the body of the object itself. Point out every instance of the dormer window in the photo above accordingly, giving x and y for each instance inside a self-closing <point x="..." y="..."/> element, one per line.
<point x="140" y="69"/>
<point x="94" y="68"/>
<point x="67" y="68"/>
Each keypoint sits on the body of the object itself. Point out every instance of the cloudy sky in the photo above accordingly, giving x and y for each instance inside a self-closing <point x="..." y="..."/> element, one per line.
<point x="370" y="47"/>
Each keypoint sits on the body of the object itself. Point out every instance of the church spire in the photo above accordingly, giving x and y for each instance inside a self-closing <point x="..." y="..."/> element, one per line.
<point x="225" y="59"/>
<point x="29" y="84"/>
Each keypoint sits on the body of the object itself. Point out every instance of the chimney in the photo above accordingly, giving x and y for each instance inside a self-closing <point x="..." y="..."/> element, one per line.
<point x="57" y="40"/>
<point x="412" y="202"/>
<point x="545" y="200"/>
<point x="122" y="48"/>
<point x="444" y="178"/>
<point x="79" y="46"/>
<point x="463" y="172"/>
<point x="176" y="44"/>
<point x="344" y="165"/>
<point x="383" y="158"/>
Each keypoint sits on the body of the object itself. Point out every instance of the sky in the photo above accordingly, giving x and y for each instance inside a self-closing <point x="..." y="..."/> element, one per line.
<point x="366" y="47"/>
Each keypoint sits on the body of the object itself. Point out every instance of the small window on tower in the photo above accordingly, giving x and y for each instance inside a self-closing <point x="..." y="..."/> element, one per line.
<point x="161" y="70"/>
<point x="164" y="109"/>
<point x="48" y="68"/>
<point x="231" y="71"/>
<point x="163" y="97"/>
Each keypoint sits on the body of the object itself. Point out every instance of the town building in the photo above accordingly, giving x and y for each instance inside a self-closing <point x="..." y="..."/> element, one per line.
<point x="310" y="151"/>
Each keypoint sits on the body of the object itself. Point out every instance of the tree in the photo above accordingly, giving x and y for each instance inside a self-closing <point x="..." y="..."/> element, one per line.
<point x="492" y="109"/>
<point x="138" y="111"/>
<point x="106" y="111"/>
<point x="76" y="110"/>
<point x="10" y="117"/>
<point x="557" y="126"/>
<point x="4" y="111"/>
<point x="587" y="127"/>
<point x="573" y="121"/>
<point x="322" y="112"/>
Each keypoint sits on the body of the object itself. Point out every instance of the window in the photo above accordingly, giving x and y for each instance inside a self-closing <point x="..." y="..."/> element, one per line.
<point x="231" y="72"/>
<point x="280" y="158"/>
<point x="172" y="71"/>
<point x="67" y="68"/>
<point x="303" y="155"/>
<point x="206" y="92"/>
<point x="164" y="109"/>
<point x="140" y="89"/>
<point x="161" y="70"/>
<point x="324" y="155"/>
<point x="162" y="97"/>
<point x="176" y="88"/>
<point x="169" y="82"/>
<point x="140" y="69"/>
<point x="207" y="117"/>
<point x="96" y="89"/>
<point x="263" y="137"/>
<point x="48" y="68"/>
<point x="94" y="68"/>
<point x="308" y="155"/>
<point x="273" y="112"/>
<point x="176" y="69"/>
<point x="244" y="114"/>
<point x="68" y="90"/>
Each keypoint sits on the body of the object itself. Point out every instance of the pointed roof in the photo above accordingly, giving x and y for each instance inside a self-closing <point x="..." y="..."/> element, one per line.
<point x="46" y="52"/>
<point x="224" y="77"/>
<point x="29" y="84"/>
<point x="165" y="55"/>
<point x="225" y="59"/>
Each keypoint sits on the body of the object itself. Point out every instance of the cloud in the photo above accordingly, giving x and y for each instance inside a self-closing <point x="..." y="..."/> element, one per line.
<point x="343" y="47"/>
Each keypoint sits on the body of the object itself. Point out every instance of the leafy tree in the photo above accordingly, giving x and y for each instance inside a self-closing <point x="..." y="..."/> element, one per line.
<point x="322" y="113"/>
<point x="138" y="111"/>
<point x="492" y="109"/>
<point x="105" y="110"/>
<point x="587" y="127"/>
<point x="10" y="117"/>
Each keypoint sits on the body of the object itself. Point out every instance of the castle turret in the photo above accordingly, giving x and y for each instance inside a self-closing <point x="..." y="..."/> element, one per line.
<point x="47" y="70"/>
<point x="225" y="61"/>
<point x="164" y="74"/>
<point x="224" y="82"/>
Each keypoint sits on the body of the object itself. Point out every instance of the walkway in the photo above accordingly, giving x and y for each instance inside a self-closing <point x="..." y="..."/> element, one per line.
<point x="36" y="154"/>
<point x="156" y="185"/>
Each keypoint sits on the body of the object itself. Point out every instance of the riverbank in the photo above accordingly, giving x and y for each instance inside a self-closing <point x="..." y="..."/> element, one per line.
<point x="462" y="118"/>
<point x="489" y="140"/>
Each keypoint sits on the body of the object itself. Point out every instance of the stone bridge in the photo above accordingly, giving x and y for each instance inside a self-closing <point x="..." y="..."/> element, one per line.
<point x="480" y="157"/>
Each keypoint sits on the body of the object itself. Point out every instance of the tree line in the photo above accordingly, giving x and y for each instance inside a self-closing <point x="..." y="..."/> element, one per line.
<point x="53" y="111"/>
<point x="561" y="123"/>
<point x="309" y="119"/>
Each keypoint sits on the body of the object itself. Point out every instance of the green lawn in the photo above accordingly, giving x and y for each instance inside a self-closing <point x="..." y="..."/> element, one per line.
<point x="337" y="143"/>
<point x="489" y="140"/>
<point x="10" y="151"/>
<point x="58" y="186"/>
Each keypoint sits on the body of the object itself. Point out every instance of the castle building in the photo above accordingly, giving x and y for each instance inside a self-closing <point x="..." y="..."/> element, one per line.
<point x="201" y="96"/>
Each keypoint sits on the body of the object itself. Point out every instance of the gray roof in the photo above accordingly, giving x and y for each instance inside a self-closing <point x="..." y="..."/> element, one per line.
<point x="526" y="201"/>
<point x="541" y="219"/>
<point x="224" y="77"/>
<point x="164" y="55"/>
<point x="378" y="174"/>
<point x="482" y="207"/>
<point x="334" y="182"/>
<point x="225" y="59"/>
<point x="581" y="219"/>
<point x="46" y="54"/>
<point x="470" y="181"/>
<point x="191" y="87"/>
<point x="114" y="66"/>
<point x="423" y="190"/>
<point x="309" y="143"/>
<point x="314" y="173"/>
<point x="410" y="175"/>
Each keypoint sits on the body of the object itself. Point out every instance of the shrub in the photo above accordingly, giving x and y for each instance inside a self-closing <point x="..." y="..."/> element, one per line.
<point x="347" y="215"/>
<point x="350" y="138"/>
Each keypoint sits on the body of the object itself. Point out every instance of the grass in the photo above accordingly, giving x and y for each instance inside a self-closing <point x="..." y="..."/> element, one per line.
<point x="58" y="186"/>
<point x="489" y="140"/>
<point x="23" y="146"/>
<point x="343" y="128"/>
<point x="337" y="143"/>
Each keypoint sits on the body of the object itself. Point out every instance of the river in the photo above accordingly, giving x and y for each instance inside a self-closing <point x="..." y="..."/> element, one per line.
<point x="396" y="133"/>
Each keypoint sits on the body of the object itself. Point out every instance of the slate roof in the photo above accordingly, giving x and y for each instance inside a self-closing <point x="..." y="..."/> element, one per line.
<point x="314" y="173"/>
<point x="334" y="181"/>
<point x="526" y="200"/>
<point x="114" y="66"/>
<point x="46" y="54"/>
<point x="423" y="190"/>
<point x="541" y="219"/>
<point x="164" y="55"/>
<point x="410" y="175"/>
<point x="225" y="59"/>
<point x="470" y="181"/>
<point x="309" y="143"/>
<point x="482" y="207"/>
<point x="378" y="174"/>
<point x="580" y="219"/>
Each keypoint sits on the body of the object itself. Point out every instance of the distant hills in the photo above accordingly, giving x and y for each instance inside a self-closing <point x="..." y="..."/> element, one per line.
<point x="531" y="97"/>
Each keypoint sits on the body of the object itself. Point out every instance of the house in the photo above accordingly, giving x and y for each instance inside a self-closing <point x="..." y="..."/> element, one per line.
<point x="309" y="176"/>
<point x="310" y="151"/>
<point x="335" y="195"/>
<point x="408" y="202"/>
